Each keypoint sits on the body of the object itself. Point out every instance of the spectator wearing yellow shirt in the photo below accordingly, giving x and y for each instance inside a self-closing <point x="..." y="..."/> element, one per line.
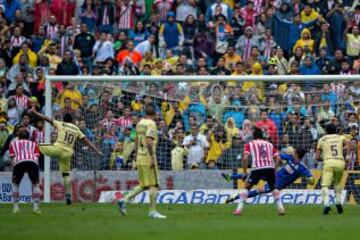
<point x="219" y="142"/>
<point x="117" y="158"/>
<point x="305" y="42"/>
<point x="231" y="58"/>
<point x="158" y="68"/>
<point x="239" y="69"/>
<point x="30" y="56"/>
<point x="129" y="145"/>
<point x="148" y="59"/>
<point x="256" y="69"/>
<point x="231" y="128"/>
<point x="208" y="125"/>
<point x="172" y="112"/>
<point x="308" y="14"/>
<point x="3" y="99"/>
<point x="179" y="153"/>
<point x="352" y="41"/>
<point x="74" y="96"/>
<point x="49" y="50"/>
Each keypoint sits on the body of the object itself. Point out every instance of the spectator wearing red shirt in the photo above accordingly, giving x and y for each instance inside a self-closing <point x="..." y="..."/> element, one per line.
<point x="129" y="54"/>
<point x="269" y="125"/>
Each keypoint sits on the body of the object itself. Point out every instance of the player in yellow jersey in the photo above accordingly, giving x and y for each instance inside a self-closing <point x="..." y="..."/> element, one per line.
<point x="63" y="148"/>
<point x="330" y="150"/>
<point x="146" y="141"/>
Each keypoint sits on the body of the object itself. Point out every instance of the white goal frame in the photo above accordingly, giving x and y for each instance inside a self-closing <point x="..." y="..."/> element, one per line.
<point x="187" y="78"/>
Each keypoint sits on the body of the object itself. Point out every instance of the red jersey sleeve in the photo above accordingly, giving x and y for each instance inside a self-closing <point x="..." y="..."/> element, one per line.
<point x="247" y="149"/>
<point x="11" y="150"/>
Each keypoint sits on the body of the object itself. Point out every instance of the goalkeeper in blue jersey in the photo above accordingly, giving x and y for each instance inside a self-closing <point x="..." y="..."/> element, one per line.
<point x="292" y="170"/>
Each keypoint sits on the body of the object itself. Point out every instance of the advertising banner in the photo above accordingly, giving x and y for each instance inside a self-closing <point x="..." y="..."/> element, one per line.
<point x="87" y="186"/>
<point x="219" y="196"/>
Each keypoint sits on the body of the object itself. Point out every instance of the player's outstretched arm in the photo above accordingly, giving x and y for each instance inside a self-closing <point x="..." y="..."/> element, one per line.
<point x="41" y="116"/>
<point x="92" y="146"/>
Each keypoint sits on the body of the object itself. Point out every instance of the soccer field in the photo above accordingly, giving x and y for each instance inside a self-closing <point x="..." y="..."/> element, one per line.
<point x="102" y="221"/>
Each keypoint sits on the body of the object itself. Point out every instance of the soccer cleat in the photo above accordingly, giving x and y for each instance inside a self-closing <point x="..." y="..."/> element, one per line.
<point x="226" y="176"/>
<point x="230" y="200"/>
<point x="237" y="212"/>
<point x="68" y="199"/>
<point x="122" y="208"/>
<point x="37" y="211"/>
<point x="281" y="211"/>
<point x="156" y="215"/>
<point x="339" y="208"/>
<point x="326" y="210"/>
<point x="16" y="209"/>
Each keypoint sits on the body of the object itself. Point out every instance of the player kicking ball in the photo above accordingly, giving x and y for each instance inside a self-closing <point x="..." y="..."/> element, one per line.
<point x="63" y="148"/>
<point x="330" y="150"/>
<point x="24" y="155"/>
<point x="263" y="167"/>
<point x="288" y="174"/>
<point x="146" y="141"/>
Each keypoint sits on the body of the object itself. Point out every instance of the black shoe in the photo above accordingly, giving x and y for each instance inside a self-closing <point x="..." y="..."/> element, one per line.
<point x="229" y="200"/>
<point x="326" y="210"/>
<point x="68" y="199"/>
<point x="339" y="208"/>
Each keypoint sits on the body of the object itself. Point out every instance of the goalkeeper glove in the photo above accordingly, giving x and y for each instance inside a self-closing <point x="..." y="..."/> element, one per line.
<point x="311" y="180"/>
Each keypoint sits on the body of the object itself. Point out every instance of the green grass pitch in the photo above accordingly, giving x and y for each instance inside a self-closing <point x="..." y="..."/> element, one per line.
<point x="185" y="222"/>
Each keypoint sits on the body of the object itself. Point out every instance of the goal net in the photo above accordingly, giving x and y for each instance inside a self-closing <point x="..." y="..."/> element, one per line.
<point x="203" y="123"/>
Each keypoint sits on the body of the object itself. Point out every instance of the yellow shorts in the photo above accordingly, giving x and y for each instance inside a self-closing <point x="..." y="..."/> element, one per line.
<point x="62" y="155"/>
<point x="332" y="173"/>
<point x="148" y="177"/>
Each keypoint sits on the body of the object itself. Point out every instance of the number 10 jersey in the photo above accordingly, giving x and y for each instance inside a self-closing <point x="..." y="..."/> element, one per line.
<point x="67" y="135"/>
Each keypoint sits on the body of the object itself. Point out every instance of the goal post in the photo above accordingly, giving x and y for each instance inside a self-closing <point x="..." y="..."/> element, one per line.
<point x="301" y="80"/>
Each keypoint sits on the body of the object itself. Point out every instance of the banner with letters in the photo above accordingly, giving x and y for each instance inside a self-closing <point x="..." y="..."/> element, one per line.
<point x="86" y="187"/>
<point x="219" y="196"/>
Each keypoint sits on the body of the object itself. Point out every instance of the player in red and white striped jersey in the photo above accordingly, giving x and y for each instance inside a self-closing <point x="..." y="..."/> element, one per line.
<point x="265" y="159"/>
<point x="262" y="154"/>
<point x="24" y="154"/>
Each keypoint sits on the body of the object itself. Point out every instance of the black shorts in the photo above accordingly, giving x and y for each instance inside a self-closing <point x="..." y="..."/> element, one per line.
<point x="266" y="174"/>
<point x="31" y="168"/>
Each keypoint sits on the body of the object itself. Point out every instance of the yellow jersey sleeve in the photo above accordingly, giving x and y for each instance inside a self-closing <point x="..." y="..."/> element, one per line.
<point x="80" y="135"/>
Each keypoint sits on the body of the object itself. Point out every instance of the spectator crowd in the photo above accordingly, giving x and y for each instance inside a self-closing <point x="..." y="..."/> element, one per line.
<point x="201" y="124"/>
